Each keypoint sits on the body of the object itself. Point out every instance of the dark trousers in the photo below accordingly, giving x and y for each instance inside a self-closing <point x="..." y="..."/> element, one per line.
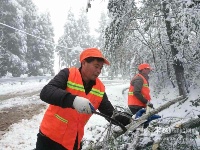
<point x="45" y="143"/>
<point x="134" y="108"/>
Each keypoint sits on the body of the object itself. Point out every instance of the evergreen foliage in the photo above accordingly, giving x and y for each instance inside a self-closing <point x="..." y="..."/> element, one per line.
<point x="22" y="53"/>
<point x="76" y="37"/>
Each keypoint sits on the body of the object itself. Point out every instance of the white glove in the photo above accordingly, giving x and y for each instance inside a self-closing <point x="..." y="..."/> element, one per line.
<point x="82" y="105"/>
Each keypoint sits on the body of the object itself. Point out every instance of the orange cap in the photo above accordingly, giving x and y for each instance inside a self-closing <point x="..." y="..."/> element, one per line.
<point x="92" y="52"/>
<point x="143" y="66"/>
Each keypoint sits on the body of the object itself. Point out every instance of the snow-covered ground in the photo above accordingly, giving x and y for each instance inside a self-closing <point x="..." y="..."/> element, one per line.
<point x="22" y="136"/>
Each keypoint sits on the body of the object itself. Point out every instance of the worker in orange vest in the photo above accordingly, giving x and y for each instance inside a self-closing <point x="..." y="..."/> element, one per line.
<point x="72" y="94"/>
<point x="139" y="92"/>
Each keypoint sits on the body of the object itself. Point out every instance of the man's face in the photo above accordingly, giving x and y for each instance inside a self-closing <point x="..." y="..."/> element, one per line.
<point x="146" y="71"/>
<point x="90" y="71"/>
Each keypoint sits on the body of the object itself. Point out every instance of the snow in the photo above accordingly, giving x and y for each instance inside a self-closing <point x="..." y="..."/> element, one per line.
<point x="22" y="135"/>
<point x="17" y="87"/>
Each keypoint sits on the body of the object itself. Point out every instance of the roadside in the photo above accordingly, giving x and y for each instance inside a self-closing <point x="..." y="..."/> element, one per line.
<point x="19" y="94"/>
<point x="15" y="114"/>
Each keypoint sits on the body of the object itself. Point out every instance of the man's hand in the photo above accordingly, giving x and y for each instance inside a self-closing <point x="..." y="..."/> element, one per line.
<point x="140" y="112"/>
<point x="83" y="105"/>
<point x="149" y="104"/>
<point x="124" y="118"/>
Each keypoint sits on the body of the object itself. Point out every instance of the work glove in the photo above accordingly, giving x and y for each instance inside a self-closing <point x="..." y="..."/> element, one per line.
<point x="123" y="117"/>
<point x="153" y="117"/>
<point x="149" y="104"/>
<point x="139" y="113"/>
<point x="83" y="105"/>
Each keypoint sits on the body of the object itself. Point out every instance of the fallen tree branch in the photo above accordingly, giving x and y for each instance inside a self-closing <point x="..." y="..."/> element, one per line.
<point x="190" y="124"/>
<point x="134" y="125"/>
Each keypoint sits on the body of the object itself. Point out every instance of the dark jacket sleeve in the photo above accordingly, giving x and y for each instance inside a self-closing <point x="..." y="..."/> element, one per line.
<point x="106" y="107"/>
<point x="138" y="83"/>
<point x="54" y="92"/>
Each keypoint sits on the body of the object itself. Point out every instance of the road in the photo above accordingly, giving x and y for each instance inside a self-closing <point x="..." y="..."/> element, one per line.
<point x="14" y="114"/>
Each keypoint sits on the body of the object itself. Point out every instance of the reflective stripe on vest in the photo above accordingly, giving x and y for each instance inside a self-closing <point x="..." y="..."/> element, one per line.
<point x="80" y="87"/>
<point x="61" y="119"/>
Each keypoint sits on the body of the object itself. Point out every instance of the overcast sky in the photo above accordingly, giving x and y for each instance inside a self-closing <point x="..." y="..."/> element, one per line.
<point x="59" y="8"/>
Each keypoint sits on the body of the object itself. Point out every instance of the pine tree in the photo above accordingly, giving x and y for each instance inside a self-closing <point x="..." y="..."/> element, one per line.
<point x="46" y="49"/>
<point x="31" y="26"/>
<point x="13" y="41"/>
<point x="103" y="23"/>
<point x="84" y="38"/>
<point x="68" y="41"/>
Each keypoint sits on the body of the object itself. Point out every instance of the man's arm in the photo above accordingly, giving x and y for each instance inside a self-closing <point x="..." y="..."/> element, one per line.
<point x="106" y="107"/>
<point x="54" y="92"/>
<point x="138" y="83"/>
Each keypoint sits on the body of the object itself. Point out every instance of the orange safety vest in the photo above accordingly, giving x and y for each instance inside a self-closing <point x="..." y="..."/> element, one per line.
<point x="63" y="124"/>
<point x="145" y="91"/>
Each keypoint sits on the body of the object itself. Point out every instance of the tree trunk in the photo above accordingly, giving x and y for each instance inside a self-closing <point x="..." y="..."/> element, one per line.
<point x="178" y="65"/>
